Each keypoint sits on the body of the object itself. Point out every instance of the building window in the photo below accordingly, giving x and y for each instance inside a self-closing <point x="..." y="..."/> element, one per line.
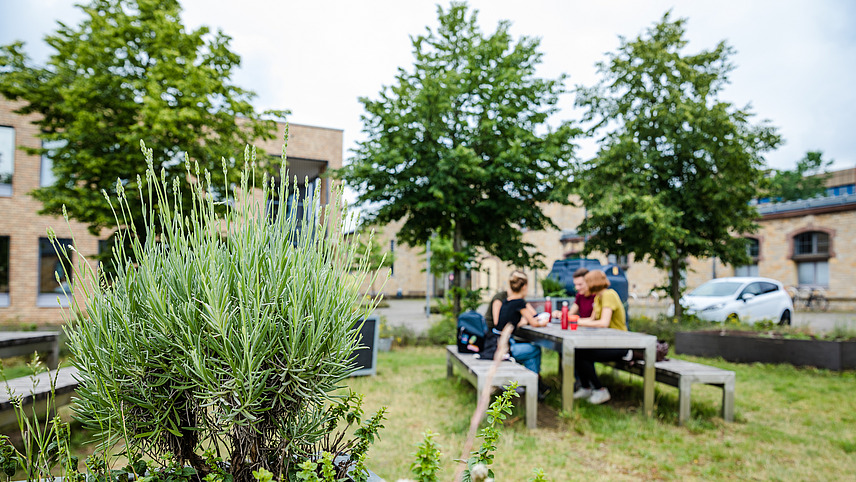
<point x="620" y="259"/>
<point x="811" y="254"/>
<point x="4" y="271"/>
<point x="811" y="244"/>
<point x="813" y="273"/>
<point x="844" y="190"/>
<point x="753" y="249"/>
<point x="47" y="177"/>
<point x="54" y="273"/>
<point x="7" y="160"/>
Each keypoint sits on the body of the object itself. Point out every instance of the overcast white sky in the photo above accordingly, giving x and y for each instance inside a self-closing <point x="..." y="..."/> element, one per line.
<point x="796" y="60"/>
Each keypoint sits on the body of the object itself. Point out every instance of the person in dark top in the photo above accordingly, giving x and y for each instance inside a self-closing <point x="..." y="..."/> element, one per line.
<point x="492" y="312"/>
<point x="584" y="300"/>
<point x="517" y="312"/>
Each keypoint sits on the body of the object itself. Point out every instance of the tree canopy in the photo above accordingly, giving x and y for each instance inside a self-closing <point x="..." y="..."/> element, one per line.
<point x="805" y="181"/>
<point x="459" y="145"/>
<point x="677" y="167"/>
<point x="130" y="71"/>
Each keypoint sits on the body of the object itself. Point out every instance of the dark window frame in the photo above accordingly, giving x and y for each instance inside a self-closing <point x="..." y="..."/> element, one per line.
<point x="13" y="149"/>
<point x="808" y="236"/>
<point x="47" y="299"/>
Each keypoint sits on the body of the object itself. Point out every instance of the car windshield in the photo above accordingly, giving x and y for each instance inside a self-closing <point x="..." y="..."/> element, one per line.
<point x="717" y="289"/>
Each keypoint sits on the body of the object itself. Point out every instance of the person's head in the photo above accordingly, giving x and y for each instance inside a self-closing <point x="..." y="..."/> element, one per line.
<point x="596" y="281"/>
<point x="580" y="281"/>
<point x="518" y="282"/>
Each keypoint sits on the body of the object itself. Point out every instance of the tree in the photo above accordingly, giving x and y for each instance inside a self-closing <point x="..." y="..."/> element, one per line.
<point x="128" y="72"/>
<point x="676" y="167"/>
<point x="804" y="182"/>
<point x="459" y="145"/>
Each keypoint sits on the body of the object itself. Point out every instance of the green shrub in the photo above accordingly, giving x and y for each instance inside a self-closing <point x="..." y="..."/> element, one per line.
<point x="664" y="327"/>
<point x="229" y="332"/>
<point x="442" y="331"/>
<point x="553" y="288"/>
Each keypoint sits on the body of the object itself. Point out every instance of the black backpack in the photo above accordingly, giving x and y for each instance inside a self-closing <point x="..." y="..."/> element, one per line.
<point x="472" y="330"/>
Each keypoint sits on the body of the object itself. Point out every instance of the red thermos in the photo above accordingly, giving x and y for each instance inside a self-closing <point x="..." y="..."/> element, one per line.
<point x="548" y="306"/>
<point x="564" y="315"/>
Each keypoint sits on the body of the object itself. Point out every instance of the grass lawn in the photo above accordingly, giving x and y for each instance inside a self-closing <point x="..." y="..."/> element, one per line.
<point x="790" y="424"/>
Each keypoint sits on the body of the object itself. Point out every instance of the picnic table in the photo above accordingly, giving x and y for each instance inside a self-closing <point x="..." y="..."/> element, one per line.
<point x="565" y="342"/>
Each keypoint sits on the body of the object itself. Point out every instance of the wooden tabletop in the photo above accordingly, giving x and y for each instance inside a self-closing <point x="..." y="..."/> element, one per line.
<point x="588" y="337"/>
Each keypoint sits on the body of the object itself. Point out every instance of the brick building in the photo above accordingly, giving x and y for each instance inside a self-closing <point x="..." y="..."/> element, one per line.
<point x="29" y="291"/>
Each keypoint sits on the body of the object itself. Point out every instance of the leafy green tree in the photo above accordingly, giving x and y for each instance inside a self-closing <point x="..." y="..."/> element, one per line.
<point x="676" y="167"/>
<point x="130" y="71"/>
<point x="459" y="145"/>
<point x="804" y="182"/>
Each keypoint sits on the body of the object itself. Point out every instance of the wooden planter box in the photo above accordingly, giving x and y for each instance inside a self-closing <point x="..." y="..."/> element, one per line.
<point x="744" y="347"/>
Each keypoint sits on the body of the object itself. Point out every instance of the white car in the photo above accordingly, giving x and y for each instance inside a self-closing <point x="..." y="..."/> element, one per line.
<point x="746" y="298"/>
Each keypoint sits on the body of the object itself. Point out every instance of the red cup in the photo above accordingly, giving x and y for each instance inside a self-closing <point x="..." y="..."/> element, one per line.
<point x="574" y="319"/>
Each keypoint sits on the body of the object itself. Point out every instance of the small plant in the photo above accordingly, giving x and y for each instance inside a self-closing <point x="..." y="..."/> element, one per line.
<point x="427" y="464"/>
<point x="538" y="476"/>
<point x="227" y="328"/>
<point x="45" y="444"/>
<point x="494" y="417"/>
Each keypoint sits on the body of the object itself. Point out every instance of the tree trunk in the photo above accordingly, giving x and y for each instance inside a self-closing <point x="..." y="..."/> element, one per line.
<point x="457" y="288"/>
<point x="675" y="286"/>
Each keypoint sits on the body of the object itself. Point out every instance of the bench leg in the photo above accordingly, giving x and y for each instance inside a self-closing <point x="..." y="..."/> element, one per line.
<point x="649" y="376"/>
<point x="532" y="406"/>
<point x="728" y="400"/>
<point x="568" y="379"/>
<point x="449" y="369"/>
<point x="684" y="393"/>
<point x="53" y="356"/>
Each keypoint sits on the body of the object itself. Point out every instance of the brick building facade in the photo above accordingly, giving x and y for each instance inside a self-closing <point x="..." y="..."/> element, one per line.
<point x="29" y="292"/>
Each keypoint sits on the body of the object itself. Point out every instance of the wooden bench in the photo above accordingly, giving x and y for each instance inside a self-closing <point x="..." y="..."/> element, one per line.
<point x="32" y="390"/>
<point x="682" y="374"/>
<point x="475" y="370"/>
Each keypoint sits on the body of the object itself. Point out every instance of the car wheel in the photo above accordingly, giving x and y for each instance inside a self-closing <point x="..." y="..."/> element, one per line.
<point x="786" y="318"/>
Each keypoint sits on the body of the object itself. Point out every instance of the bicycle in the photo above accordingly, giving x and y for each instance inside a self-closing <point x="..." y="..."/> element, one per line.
<point x="809" y="298"/>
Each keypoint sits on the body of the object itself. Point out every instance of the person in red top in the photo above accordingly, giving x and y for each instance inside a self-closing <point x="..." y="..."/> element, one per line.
<point x="584" y="300"/>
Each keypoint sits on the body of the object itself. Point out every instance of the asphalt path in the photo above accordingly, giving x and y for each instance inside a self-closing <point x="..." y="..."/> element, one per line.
<point x="411" y="313"/>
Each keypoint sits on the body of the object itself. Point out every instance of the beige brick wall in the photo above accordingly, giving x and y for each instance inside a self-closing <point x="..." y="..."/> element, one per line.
<point x="19" y="219"/>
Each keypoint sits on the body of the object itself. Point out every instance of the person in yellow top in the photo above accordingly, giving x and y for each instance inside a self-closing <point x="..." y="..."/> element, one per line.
<point x="608" y="312"/>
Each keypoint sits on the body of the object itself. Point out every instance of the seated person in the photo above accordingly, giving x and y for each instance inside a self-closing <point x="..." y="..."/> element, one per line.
<point x="608" y="312"/>
<point x="517" y="312"/>
<point x="583" y="301"/>
<point x="492" y="312"/>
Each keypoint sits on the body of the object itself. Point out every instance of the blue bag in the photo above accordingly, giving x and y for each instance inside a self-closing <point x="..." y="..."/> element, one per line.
<point x="472" y="330"/>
